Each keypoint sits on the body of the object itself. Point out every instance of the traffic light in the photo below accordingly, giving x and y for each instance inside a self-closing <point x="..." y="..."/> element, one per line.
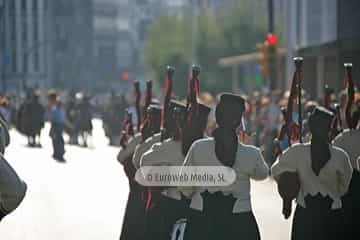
<point x="264" y="58"/>
<point x="272" y="39"/>
<point x="125" y="76"/>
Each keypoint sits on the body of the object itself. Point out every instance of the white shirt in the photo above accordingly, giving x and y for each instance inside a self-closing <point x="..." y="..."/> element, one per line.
<point x="144" y="147"/>
<point x="249" y="163"/>
<point x="12" y="188"/>
<point x="333" y="179"/>
<point x="126" y="152"/>
<point x="167" y="153"/>
<point x="349" y="140"/>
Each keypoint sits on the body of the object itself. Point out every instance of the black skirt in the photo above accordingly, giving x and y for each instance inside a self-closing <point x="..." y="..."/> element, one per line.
<point x="351" y="203"/>
<point x="318" y="221"/>
<point x="133" y="227"/>
<point x="217" y="221"/>
<point x="162" y="216"/>
<point x="134" y="219"/>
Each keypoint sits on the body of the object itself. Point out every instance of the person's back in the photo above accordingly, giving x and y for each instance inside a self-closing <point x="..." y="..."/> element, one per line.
<point x="324" y="173"/>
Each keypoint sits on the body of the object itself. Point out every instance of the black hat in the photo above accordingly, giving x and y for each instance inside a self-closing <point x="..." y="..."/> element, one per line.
<point x="204" y="110"/>
<point x="154" y="109"/>
<point x="328" y="90"/>
<point x="320" y="121"/>
<point x="155" y="101"/>
<point x="322" y="114"/>
<point x="177" y="106"/>
<point x="233" y="100"/>
<point x="52" y="95"/>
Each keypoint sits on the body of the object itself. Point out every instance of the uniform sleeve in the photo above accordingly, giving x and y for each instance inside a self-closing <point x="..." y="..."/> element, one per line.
<point x="126" y="152"/>
<point x="261" y="170"/>
<point x="12" y="188"/>
<point x="141" y="149"/>
<point x="344" y="173"/>
<point x="154" y="157"/>
<point x="190" y="158"/>
<point x="286" y="162"/>
<point x="189" y="161"/>
<point x="338" y="141"/>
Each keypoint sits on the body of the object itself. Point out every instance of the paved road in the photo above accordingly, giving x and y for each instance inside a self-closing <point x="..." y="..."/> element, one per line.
<point x="85" y="198"/>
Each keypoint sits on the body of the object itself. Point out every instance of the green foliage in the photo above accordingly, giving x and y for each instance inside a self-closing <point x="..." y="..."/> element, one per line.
<point x="234" y="32"/>
<point x="167" y="44"/>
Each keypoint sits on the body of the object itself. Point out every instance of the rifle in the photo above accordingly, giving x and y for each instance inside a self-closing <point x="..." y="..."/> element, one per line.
<point x="128" y="129"/>
<point x="148" y="97"/>
<point x="288" y="183"/>
<point x="193" y="93"/>
<point x="298" y="64"/>
<point x="349" y="83"/>
<point x="338" y="116"/>
<point x="290" y="129"/>
<point x="137" y="95"/>
<point x="170" y="71"/>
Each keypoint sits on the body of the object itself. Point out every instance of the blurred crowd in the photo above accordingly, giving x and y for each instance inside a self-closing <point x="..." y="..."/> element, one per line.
<point x="261" y="124"/>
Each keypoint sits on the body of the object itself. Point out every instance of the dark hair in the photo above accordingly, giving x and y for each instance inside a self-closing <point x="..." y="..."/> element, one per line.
<point x="226" y="141"/>
<point x="320" y="125"/>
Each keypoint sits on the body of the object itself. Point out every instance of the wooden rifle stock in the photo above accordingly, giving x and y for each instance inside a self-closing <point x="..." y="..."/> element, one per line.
<point x="350" y="95"/>
<point x="288" y="182"/>
<point x="137" y="94"/>
<point x="298" y="64"/>
<point x="170" y="71"/>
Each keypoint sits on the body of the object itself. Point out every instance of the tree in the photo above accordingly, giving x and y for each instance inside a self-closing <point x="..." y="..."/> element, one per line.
<point x="167" y="44"/>
<point x="236" y="31"/>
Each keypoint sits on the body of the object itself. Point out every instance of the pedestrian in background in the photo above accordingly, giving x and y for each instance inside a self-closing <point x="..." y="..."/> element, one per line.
<point x="57" y="120"/>
<point x="36" y="117"/>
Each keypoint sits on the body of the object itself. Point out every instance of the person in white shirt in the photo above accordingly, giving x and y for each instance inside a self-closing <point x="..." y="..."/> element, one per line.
<point x="225" y="212"/>
<point x="324" y="174"/>
<point x="170" y="205"/>
<point x="348" y="141"/>
<point x="12" y="188"/>
<point x="133" y="223"/>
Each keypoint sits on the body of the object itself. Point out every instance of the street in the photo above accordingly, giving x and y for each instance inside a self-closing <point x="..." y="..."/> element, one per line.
<point x="85" y="198"/>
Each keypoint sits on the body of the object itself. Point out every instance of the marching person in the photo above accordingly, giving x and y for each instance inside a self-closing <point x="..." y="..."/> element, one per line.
<point x="324" y="173"/>
<point x="347" y="140"/>
<point x="167" y="122"/>
<point x="225" y="211"/>
<point x="12" y="188"/>
<point x="57" y="120"/>
<point x="133" y="223"/>
<point x="166" y="206"/>
<point x="83" y="124"/>
<point x="170" y="204"/>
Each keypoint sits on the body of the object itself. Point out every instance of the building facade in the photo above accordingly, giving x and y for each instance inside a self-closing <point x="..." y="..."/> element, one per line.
<point x="24" y="44"/>
<point x="71" y="33"/>
<point x="325" y="33"/>
<point x="113" y="52"/>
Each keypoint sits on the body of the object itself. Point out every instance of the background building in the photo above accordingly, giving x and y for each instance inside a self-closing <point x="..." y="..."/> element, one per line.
<point x="24" y="43"/>
<point x="113" y="52"/>
<point x="71" y="35"/>
<point x="325" y="33"/>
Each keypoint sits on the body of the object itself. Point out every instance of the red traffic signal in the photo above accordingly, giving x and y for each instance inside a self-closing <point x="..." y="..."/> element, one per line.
<point x="272" y="39"/>
<point x="125" y="76"/>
